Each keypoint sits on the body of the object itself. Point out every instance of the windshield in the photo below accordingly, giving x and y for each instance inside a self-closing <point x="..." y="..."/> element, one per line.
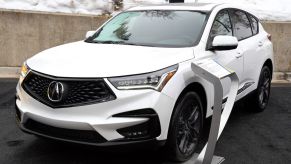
<point x="161" y="28"/>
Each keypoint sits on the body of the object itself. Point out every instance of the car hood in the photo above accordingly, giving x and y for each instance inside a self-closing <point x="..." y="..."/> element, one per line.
<point x="81" y="59"/>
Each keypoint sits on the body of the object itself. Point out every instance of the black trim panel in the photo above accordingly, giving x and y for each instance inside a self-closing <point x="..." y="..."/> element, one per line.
<point x="146" y="130"/>
<point x="246" y="85"/>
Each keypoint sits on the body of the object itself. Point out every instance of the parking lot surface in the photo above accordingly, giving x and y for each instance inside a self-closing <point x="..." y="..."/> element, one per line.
<point x="259" y="138"/>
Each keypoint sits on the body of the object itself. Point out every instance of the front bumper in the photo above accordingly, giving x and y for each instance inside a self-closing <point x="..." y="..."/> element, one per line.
<point x="95" y="124"/>
<point x="80" y="136"/>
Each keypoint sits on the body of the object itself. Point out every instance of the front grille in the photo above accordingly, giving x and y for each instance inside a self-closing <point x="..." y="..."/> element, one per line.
<point x="87" y="136"/>
<point x="76" y="91"/>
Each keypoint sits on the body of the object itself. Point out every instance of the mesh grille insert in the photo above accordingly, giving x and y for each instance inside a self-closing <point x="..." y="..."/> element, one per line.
<point x="76" y="91"/>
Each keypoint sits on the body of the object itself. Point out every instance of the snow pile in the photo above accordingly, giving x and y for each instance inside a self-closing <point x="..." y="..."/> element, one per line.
<point x="279" y="10"/>
<point x="130" y="3"/>
<point x="95" y="7"/>
<point x="63" y="6"/>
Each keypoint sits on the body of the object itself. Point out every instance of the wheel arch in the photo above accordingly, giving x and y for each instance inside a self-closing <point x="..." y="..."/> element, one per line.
<point x="269" y="64"/>
<point x="199" y="89"/>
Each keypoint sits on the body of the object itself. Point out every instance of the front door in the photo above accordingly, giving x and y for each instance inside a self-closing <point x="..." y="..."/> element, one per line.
<point x="231" y="59"/>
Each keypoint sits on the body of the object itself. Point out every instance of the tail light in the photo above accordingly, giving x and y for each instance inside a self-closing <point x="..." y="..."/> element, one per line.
<point x="269" y="37"/>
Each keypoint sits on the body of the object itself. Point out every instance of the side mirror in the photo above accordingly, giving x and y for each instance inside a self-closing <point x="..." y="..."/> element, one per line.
<point x="89" y="33"/>
<point x="224" y="42"/>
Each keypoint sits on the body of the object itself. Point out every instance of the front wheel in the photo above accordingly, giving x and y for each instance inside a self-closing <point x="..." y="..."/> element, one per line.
<point x="185" y="128"/>
<point x="261" y="95"/>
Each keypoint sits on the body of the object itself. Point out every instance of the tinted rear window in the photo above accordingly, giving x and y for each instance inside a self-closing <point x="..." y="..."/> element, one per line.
<point x="254" y="24"/>
<point x="241" y="25"/>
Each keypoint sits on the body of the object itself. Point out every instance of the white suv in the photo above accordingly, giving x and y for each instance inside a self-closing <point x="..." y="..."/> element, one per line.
<point x="131" y="80"/>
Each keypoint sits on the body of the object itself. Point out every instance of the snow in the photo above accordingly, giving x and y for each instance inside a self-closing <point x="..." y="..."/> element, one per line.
<point x="96" y="7"/>
<point x="277" y="10"/>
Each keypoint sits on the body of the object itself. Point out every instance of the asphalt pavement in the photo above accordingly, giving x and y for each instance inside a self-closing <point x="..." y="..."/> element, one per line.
<point x="249" y="138"/>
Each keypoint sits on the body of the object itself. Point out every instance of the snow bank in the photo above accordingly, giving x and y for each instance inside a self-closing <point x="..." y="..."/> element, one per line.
<point x="278" y="10"/>
<point x="64" y="6"/>
<point x="95" y="7"/>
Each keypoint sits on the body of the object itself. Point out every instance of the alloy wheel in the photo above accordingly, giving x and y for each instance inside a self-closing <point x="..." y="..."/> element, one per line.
<point x="264" y="89"/>
<point x="189" y="126"/>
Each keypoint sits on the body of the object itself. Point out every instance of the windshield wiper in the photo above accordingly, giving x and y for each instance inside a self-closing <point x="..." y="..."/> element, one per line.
<point x="112" y="42"/>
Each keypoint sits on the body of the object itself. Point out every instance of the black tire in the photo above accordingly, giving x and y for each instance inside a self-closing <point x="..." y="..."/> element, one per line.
<point x="260" y="97"/>
<point x="185" y="128"/>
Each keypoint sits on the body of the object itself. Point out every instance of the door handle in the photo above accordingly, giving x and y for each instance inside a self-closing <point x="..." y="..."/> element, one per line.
<point x="260" y="44"/>
<point x="239" y="54"/>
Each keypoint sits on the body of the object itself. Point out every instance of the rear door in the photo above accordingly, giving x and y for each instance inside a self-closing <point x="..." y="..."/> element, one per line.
<point x="247" y="46"/>
<point x="253" y="60"/>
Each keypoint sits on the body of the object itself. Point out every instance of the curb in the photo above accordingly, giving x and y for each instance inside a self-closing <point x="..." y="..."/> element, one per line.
<point x="281" y="77"/>
<point x="9" y="72"/>
<point x="14" y="72"/>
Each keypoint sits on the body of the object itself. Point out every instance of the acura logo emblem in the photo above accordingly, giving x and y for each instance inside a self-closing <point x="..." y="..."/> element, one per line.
<point x="55" y="91"/>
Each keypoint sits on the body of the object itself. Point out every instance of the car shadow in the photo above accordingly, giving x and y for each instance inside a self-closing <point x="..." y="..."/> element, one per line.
<point x="52" y="151"/>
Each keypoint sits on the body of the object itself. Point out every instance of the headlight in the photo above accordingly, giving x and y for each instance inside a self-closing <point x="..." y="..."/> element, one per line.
<point x="24" y="70"/>
<point x="155" y="80"/>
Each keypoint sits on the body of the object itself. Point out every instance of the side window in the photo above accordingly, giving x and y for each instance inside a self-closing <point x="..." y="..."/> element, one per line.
<point x="241" y="25"/>
<point x="221" y="25"/>
<point x="254" y="24"/>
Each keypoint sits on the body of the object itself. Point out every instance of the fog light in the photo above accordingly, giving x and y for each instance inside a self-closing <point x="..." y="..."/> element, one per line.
<point x="147" y="130"/>
<point x="136" y="131"/>
<point x="136" y="134"/>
